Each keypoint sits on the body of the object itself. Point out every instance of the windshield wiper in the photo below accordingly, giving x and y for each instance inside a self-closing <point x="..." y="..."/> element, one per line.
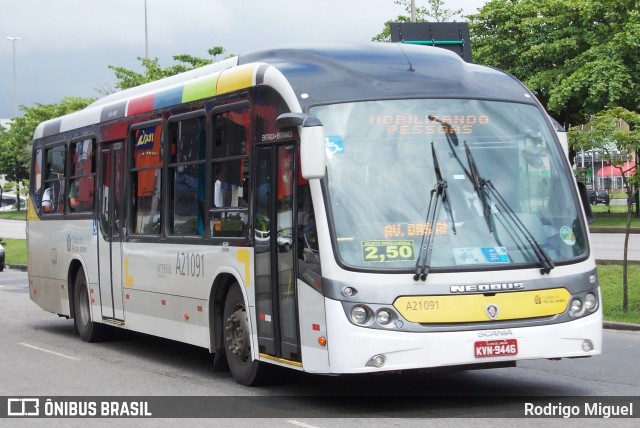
<point x="439" y="197"/>
<point x="480" y="184"/>
<point x="445" y="193"/>
<point x="472" y="172"/>
<point x="509" y="214"/>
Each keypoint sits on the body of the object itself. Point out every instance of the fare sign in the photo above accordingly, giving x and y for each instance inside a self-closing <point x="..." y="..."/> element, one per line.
<point x="495" y="348"/>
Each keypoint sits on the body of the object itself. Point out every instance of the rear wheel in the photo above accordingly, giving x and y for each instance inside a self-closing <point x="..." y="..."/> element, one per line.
<point x="88" y="330"/>
<point x="237" y="341"/>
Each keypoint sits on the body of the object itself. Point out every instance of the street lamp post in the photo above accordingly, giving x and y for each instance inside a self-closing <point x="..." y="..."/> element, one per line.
<point x="146" y="32"/>
<point x="14" y="39"/>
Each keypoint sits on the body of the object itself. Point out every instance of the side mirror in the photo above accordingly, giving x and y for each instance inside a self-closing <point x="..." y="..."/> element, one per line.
<point x="584" y="197"/>
<point x="313" y="157"/>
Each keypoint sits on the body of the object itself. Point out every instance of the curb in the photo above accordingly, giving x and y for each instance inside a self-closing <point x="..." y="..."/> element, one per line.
<point x="613" y="230"/>
<point x="620" y="326"/>
<point x="616" y="262"/>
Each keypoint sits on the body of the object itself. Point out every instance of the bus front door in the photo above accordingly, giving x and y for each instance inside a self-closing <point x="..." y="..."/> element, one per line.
<point x="275" y="250"/>
<point x="110" y="242"/>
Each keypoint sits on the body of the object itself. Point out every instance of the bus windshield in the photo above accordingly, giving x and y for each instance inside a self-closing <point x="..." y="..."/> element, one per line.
<point x="448" y="184"/>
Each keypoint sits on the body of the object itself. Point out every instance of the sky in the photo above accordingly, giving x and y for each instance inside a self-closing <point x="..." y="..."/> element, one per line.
<point x="66" y="46"/>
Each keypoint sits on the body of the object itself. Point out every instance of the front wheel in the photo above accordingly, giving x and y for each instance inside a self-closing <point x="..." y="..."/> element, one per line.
<point x="88" y="330"/>
<point x="237" y="340"/>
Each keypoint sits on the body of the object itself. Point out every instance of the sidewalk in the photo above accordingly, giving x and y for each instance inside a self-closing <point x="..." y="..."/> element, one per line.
<point x="13" y="229"/>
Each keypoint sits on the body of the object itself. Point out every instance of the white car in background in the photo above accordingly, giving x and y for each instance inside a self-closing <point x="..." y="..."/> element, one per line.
<point x="1" y="258"/>
<point x="8" y="202"/>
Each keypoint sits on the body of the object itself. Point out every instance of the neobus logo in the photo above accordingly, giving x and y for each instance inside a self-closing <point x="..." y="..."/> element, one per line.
<point x="483" y="288"/>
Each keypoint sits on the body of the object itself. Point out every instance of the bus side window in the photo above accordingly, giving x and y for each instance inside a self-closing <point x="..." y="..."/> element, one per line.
<point x="146" y="181"/>
<point x="229" y="211"/>
<point x="54" y="183"/>
<point x="37" y="178"/>
<point x="308" y="250"/>
<point x="81" y="184"/>
<point x="187" y="148"/>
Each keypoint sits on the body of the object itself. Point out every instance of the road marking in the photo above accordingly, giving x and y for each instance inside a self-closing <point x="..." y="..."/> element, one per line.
<point x="301" y="424"/>
<point x="48" y="351"/>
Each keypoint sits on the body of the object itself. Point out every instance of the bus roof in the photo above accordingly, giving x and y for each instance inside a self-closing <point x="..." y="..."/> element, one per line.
<point x="317" y="74"/>
<point x="348" y="72"/>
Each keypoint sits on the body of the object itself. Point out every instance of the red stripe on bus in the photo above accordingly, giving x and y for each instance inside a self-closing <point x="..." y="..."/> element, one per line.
<point x="140" y="105"/>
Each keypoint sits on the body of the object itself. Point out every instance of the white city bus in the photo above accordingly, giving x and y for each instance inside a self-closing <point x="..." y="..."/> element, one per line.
<point x="332" y="209"/>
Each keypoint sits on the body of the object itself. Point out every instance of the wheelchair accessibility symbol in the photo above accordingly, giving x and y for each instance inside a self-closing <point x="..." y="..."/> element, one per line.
<point x="334" y="145"/>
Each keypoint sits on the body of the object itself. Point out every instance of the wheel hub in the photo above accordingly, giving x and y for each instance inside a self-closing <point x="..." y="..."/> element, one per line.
<point x="236" y="335"/>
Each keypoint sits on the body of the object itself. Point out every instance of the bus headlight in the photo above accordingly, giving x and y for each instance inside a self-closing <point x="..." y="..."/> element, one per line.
<point x="358" y="315"/>
<point x="349" y="292"/>
<point x="590" y="302"/>
<point x="576" y="306"/>
<point x="383" y="316"/>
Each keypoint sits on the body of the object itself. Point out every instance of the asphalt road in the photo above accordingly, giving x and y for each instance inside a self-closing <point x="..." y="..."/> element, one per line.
<point x="13" y="229"/>
<point x="610" y="246"/>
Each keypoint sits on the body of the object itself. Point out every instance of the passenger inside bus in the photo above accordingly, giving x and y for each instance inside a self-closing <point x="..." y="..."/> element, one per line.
<point x="73" y="195"/>
<point x="47" y="205"/>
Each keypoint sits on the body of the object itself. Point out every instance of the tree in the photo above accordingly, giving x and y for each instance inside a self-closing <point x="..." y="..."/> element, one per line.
<point x="435" y="11"/>
<point x="604" y="131"/>
<point x="153" y="71"/>
<point x="15" y="151"/>
<point x="578" y="56"/>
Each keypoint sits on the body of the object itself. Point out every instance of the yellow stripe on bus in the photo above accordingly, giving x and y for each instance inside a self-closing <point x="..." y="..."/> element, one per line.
<point x="280" y="360"/>
<point x="243" y="256"/>
<point x="480" y="307"/>
<point x="236" y="78"/>
<point x="31" y="211"/>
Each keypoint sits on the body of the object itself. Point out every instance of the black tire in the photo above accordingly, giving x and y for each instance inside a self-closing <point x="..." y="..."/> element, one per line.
<point x="237" y="341"/>
<point x="88" y="330"/>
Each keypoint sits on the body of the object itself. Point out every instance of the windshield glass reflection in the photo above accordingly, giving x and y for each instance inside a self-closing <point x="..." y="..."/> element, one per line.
<point x="381" y="173"/>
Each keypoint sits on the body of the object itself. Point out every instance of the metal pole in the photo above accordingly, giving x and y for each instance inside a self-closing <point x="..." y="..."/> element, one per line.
<point x="593" y="170"/>
<point x="13" y="39"/>
<point x="146" y="32"/>
<point x="413" y="10"/>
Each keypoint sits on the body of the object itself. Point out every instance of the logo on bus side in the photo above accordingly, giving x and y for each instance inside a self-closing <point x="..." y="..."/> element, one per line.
<point x="484" y="288"/>
<point x="144" y="137"/>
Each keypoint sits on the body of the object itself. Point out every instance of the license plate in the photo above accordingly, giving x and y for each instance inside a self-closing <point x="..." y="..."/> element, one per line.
<point x="495" y="348"/>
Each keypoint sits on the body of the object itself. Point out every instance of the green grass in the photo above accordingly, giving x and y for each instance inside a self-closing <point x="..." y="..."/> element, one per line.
<point x="612" y="216"/>
<point x="610" y="277"/>
<point x="14" y="215"/>
<point x="15" y="251"/>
